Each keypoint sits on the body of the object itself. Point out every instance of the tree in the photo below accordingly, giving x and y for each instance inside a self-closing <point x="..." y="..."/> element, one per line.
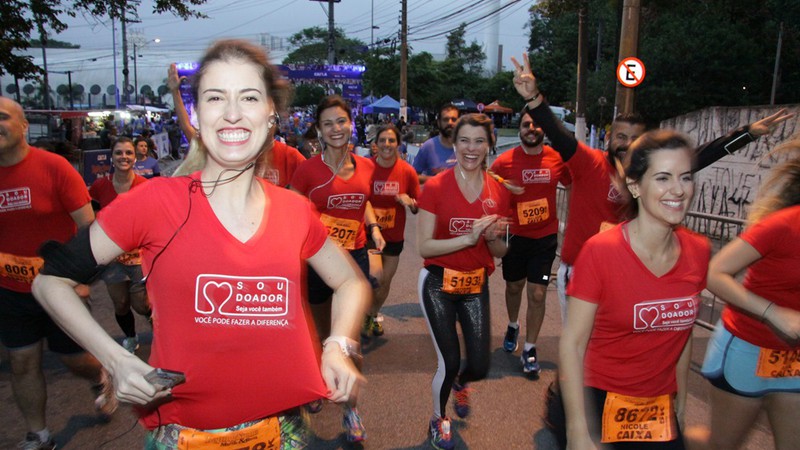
<point x="311" y="47"/>
<point x="20" y="19"/>
<point x="470" y="58"/>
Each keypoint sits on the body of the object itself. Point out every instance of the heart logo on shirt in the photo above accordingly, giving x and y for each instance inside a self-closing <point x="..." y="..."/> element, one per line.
<point x="459" y="225"/>
<point x="335" y="201"/>
<point x="214" y="294"/>
<point x="649" y="316"/>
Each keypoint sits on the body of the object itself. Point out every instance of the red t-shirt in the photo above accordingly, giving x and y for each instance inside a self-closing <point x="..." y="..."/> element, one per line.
<point x="283" y="161"/>
<point x="388" y="182"/>
<point x="594" y="199"/>
<point x="103" y="190"/>
<point x="454" y="216"/>
<point x="338" y="198"/>
<point x="37" y="196"/>
<point x="642" y="321"/>
<point x="775" y="277"/>
<point x="231" y="315"/>
<point x="534" y="211"/>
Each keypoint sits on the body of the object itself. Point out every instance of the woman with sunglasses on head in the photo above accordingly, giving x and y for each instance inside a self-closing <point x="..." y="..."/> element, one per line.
<point x="753" y="359"/>
<point x="461" y="229"/>
<point x="626" y="346"/>
<point x="338" y="183"/>
<point x="224" y="253"/>
<point x="395" y="188"/>
<point x="123" y="277"/>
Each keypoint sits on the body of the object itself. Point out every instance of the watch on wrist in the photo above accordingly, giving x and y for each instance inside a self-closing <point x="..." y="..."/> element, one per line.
<point x="349" y="347"/>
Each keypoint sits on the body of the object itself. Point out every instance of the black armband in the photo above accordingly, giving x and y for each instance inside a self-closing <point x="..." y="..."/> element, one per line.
<point x="73" y="260"/>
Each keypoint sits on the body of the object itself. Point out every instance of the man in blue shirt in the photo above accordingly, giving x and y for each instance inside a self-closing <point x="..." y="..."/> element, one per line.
<point x="437" y="153"/>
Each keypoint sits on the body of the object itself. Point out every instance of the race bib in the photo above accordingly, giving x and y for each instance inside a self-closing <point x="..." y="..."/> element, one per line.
<point x="385" y="217"/>
<point x="778" y="363"/>
<point x="20" y="268"/>
<point x="264" y="435"/>
<point x="638" y="419"/>
<point x="533" y="211"/>
<point x="342" y="231"/>
<point x="456" y="282"/>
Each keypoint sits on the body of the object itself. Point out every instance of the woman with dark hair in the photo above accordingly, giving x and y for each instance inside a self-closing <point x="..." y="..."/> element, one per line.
<point x="460" y="231"/>
<point x="224" y="253"/>
<point x="338" y="183"/>
<point x="145" y="165"/>
<point x="625" y="352"/>
<point x="123" y="276"/>
<point x="395" y="188"/>
<point x="753" y="359"/>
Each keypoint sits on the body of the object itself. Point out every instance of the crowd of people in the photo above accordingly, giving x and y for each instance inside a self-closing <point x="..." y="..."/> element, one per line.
<point x="308" y="246"/>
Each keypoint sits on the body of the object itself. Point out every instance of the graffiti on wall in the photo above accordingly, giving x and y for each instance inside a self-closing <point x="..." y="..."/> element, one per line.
<point x="730" y="185"/>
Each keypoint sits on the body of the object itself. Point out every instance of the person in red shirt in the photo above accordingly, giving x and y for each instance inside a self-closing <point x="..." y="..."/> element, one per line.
<point x="461" y="229"/>
<point x="338" y="183"/>
<point x="598" y="194"/>
<point x="753" y="359"/>
<point x="537" y="170"/>
<point x="609" y="363"/>
<point x="42" y="197"/>
<point x="123" y="277"/>
<point x="224" y="252"/>
<point x="395" y="187"/>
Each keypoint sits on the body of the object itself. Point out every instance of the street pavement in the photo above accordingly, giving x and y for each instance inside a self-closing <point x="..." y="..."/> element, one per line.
<point x="396" y="403"/>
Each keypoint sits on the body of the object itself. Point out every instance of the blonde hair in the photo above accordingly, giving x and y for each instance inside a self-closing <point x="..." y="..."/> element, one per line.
<point x="781" y="189"/>
<point x="278" y="90"/>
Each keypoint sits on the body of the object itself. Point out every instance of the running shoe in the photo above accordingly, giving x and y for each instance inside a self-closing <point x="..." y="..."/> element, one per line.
<point x="34" y="442"/>
<point x="530" y="363"/>
<point x="106" y="402"/>
<point x="510" y="343"/>
<point x="440" y="434"/>
<point x="377" y="325"/>
<point x="461" y="399"/>
<point x="131" y="344"/>
<point x="353" y="427"/>
<point x="366" y="328"/>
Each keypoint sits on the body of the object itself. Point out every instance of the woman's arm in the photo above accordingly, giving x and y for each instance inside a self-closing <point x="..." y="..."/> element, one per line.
<point x="57" y="297"/>
<point x="729" y="261"/>
<point x="351" y="297"/>
<point x="571" y="351"/>
<point x="429" y="247"/>
<point x="374" y="231"/>
<point x="174" y="84"/>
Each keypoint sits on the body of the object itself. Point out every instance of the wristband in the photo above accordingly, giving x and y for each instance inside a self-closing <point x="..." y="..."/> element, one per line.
<point x="528" y="100"/>
<point x="764" y="314"/>
<point x="371" y="226"/>
<point x="348" y="346"/>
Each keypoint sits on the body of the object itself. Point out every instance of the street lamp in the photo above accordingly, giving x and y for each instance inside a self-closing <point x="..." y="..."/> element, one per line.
<point x="135" y="72"/>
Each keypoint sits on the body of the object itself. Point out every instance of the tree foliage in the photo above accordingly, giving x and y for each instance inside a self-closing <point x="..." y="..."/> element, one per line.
<point x="21" y="21"/>
<point x="312" y="47"/>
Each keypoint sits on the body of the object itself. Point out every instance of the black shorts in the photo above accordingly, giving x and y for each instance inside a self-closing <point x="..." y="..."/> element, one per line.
<point x="23" y="322"/>
<point x="319" y="292"/>
<point x="393" y="248"/>
<point x="530" y="258"/>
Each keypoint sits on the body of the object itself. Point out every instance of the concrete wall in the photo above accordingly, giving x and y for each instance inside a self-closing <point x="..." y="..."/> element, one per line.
<point x="727" y="187"/>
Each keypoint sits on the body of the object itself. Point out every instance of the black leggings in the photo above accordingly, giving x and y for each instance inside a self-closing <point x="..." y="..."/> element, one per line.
<point x="442" y="310"/>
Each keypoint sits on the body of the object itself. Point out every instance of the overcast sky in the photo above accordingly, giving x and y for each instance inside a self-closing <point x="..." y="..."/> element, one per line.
<point x="429" y="23"/>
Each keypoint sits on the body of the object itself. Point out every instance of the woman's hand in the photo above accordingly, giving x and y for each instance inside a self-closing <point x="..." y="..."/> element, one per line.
<point x="496" y="230"/>
<point x="767" y="124"/>
<point x="129" y="384"/>
<point x="377" y="238"/>
<point x="479" y="226"/>
<point x="524" y="81"/>
<point x="340" y="374"/>
<point x="173" y="80"/>
<point x="785" y="322"/>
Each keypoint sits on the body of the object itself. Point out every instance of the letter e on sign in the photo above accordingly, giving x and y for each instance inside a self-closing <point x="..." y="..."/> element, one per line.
<point x="630" y="72"/>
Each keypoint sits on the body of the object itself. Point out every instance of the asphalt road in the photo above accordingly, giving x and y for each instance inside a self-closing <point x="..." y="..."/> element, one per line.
<point x="396" y="405"/>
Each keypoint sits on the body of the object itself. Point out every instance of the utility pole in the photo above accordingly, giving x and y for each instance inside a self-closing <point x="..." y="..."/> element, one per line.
<point x="331" y="35"/>
<point x="628" y="46"/>
<point x="583" y="56"/>
<point x="404" y="59"/>
<point x="777" y="66"/>
<point x="126" y="95"/>
<point x="43" y="41"/>
<point x="114" y="44"/>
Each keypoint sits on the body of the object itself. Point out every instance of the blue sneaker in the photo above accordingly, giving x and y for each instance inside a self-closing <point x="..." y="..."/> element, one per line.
<point x="530" y="363"/>
<point x="461" y="399"/>
<point x="440" y="434"/>
<point x="510" y="343"/>
<point x="353" y="427"/>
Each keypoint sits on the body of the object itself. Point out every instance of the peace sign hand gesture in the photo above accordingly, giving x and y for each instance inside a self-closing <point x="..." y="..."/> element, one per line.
<point x="524" y="81"/>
